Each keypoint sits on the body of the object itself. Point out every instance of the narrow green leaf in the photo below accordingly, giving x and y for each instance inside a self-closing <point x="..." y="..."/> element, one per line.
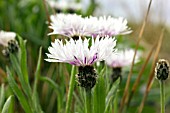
<point x="23" y="58"/>
<point x="51" y="83"/>
<point x="2" y="96"/>
<point x="26" y="88"/>
<point x="22" y="71"/>
<point x="7" y="105"/>
<point x="111" y="94"/>
<point x="23" y="101"/>
<point x="37" y="72"/>
<point x="70" y="91"/>
<point x="100" y="93"/>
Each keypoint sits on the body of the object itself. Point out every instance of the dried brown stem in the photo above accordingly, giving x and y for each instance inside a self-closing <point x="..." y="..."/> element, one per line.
<point x="46" y="11"/>
<point x="151" y="75"/>
<point x="48" y="18"/>
<point x="3" y="75"/>
<point x="2" y="72"/>
<point x="140" y="74"/>
<point x="125" y="94"/>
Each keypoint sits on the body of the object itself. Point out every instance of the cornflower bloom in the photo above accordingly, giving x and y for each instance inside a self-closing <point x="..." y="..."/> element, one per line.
<point x="111" y="26"/>
<point x="7" y="40"/>
<point x="82" y="53"/>
<point x="120" y="59"/>
<point x="71" y="25"/>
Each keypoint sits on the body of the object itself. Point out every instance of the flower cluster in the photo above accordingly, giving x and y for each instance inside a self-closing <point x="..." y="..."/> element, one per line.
<point x="74" y="25"/>
<point x="91" y="40"/>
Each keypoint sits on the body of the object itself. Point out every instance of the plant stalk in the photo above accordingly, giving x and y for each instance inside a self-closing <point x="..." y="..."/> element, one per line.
<point x="70" y="92"/>
<point x="116" y="103"/>
<point x="88" y="102"/>
<point x="162" y="96"/>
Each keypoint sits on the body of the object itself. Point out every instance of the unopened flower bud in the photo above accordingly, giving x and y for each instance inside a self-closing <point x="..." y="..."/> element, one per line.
<point x="162" y="69"/>
<point x="116" y="73"/>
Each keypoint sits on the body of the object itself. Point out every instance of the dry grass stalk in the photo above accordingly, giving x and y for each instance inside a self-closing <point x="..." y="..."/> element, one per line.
<point x="137" y="45"/>
<point x="2" y="73"/>
<point x="140" y="74"/>
<point x="48" y="18"/>
<point x="151" y="75"/>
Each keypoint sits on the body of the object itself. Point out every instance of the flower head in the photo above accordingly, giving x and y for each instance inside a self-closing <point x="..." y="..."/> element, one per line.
<point x="80" y="52"/>
<point x="121" y="59"/>
<point x="70" y="25"/>
<point x="112" y="26"/>
<point x="5" y="37"/>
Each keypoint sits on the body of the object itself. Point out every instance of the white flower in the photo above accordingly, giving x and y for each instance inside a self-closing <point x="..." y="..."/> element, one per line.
<point x="70" y="25"/>
<point x="5" y="37"/>
<point x="122" y="58"/>
<point x="64" y="5"/>
<point x="112" y="26"/>
<point x="80" y="52"/>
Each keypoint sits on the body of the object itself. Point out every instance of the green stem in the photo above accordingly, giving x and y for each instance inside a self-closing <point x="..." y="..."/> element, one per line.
<point x="115" y="103"/>
<point x="162" y="93"/>
<point x="70" y="91"/>
<point x="88" y="102"/>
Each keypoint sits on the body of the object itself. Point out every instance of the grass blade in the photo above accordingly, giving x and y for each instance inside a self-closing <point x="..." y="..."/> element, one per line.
<point x="23" y="101"/>
<point x="7" y="105"/>
<point x="71" y="89"/>
<point x="111" y="95"/>
<point x="100" y="94"/>
<point x="26" y="88"/>
<point x="23" y="58"/>
<point x="2" y="96"/>
<point x="37" y="74"/>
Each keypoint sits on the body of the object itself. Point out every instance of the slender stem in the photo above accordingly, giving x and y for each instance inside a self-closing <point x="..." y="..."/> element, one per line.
<point x="162" y="93"/>
<point x="88" y="103"/>
<point x="70" y="92"/>
<point x="115" y="103"/>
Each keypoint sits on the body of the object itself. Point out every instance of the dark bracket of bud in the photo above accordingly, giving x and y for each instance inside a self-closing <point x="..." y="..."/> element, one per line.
<point x="116" y="73"/>
<point x="71" y="10"/>
<point x="86" y="77"/>
<point x="162" y="70"/>
<point x="57" y="10"/>
<point x="75" y="37"/>
<point x="12" y="48"/>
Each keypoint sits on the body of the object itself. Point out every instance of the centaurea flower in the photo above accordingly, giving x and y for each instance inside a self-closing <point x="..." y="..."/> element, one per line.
<point x="81" y="53"/>
<point x="70" y="25"/>
<point x="120" y="59"/>
<point x="111" y="26"/>
<point x="7" y="40"/>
